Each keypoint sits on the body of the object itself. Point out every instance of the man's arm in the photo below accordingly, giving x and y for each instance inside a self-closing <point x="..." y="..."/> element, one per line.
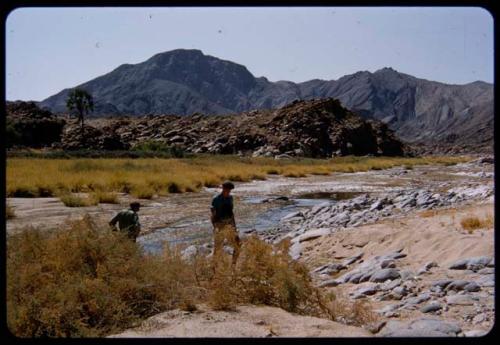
<point x="213" y="211"/>
<point x="113" y="221"/>
<point x="212" y="214"/>
<point x="137" y="225"/>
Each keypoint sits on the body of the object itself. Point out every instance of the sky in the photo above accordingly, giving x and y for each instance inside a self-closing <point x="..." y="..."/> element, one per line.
<point x="49" y="49"/>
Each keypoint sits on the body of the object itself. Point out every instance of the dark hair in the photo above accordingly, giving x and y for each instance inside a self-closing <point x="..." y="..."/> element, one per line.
<point x="228" y="185"/>
<point x="135" y="204"/>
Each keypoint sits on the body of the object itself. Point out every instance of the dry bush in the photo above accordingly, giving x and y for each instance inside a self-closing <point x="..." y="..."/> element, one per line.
<point x="71" y="200"/>
<point x="9" y="212"/>
<point x="85" y="280"/>
<point x="471" y="223"/>
<point x="106" y="197"/>
<point x="143" y="192"/>
<point x="357" y="313"/>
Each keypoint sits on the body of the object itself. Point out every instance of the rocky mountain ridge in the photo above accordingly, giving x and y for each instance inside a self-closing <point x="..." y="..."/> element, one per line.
<point x="186" y="81"/>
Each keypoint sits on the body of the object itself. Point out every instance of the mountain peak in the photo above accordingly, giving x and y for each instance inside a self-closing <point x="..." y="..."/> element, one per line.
<point x="180" y="53"/>
<point x="386" y="70"/>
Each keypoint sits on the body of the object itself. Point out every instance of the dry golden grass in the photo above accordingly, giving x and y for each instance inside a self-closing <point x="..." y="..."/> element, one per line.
<point x="176" y="175"/>
<point x="9" y="212"/>
<point x="106" y="197"/>
<point x="71" y="200"/>
<point x="471" y="223"/>
<point x="85" y="280"/>
<point x="143" y="192"/>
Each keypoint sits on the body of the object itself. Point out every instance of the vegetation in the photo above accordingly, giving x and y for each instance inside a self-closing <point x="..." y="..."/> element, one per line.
<point x="471" y="223"/>
<point x="88" y="153"/>
<point x="143" y="192"/>
<point x="12" y="135"/>
<point x="71" y="200"/>
<point x="85" y="280"/>
<point x="106" y="197"/>
<point x="158" y="146"/>
<point x="81" y="102"/>
<point x="9" y="212"/>
<point x="175" y="175"/>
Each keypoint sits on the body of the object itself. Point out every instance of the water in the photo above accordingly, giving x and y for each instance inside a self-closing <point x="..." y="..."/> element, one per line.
<point x="202" y="230"/>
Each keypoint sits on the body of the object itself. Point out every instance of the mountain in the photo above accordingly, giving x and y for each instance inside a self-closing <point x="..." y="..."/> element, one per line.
<point x="187" y="81"/>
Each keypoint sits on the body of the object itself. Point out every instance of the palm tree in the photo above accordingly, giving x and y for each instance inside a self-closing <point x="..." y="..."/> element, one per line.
<point x="80" y="101"/>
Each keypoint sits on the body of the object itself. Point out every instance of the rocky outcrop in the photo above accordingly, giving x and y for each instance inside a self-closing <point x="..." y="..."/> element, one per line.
<point x="315" y="128"/>
<point x="28" y="125"/>
<point x="74" y="138"/>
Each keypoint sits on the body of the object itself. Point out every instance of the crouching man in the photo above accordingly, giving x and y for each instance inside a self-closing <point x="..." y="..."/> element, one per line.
<point x="128" y="221"/>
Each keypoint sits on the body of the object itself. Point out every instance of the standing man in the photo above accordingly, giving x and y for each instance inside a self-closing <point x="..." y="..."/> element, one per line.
<point x="223" y="221"/>
<point x="128" y="221"/>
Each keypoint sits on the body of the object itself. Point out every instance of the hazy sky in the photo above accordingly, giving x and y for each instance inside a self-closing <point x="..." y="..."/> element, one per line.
<point x="48" y="49"/>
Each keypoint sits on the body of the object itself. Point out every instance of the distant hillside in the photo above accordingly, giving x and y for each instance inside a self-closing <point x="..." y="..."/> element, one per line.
<point x="187" y="81"/>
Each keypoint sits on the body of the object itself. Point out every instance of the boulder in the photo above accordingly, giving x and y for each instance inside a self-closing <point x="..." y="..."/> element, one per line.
<point x="460" y="300"/>
<point x="384" y="274"/>
<point x="431" y="307"/>
<point x="420" y="328"/>
<point x="474" y="263"/>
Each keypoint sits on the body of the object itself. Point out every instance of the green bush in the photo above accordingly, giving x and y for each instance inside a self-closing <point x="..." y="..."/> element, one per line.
<point x="159" y="146"/>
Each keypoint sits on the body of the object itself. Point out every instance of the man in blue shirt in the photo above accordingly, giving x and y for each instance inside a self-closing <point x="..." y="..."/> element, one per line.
<point x="223" y="221"/>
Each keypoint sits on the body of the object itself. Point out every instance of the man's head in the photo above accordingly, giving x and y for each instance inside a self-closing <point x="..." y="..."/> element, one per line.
<point x="227" y="187"/>
<point x="135" y="206"/>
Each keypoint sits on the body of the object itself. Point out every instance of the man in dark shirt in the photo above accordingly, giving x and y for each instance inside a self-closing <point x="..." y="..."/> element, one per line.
<point x="128" y="221"/>
<point x="223" y="221"/>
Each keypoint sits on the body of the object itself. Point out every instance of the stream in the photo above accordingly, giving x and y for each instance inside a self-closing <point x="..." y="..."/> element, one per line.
<point x="200" y="231"/>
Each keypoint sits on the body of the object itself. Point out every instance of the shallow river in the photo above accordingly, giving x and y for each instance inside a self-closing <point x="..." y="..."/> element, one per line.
<point x="199" y="231"/>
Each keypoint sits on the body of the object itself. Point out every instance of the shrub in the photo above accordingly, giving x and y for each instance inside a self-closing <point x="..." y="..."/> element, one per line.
<point x="173" y="187"/>
<point x="9" y="212"/>
<point x="23" y="192"/>
<point x="143" y="192"/>
<point x="272" y="171"/>
<point x="158" y="146"/>
<point x="106" y="197"/>
<point x="294" y="174"/>
<point x="471" y="223"/>
<point x="71" y="200"/>
<point x="85" y="280"/>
